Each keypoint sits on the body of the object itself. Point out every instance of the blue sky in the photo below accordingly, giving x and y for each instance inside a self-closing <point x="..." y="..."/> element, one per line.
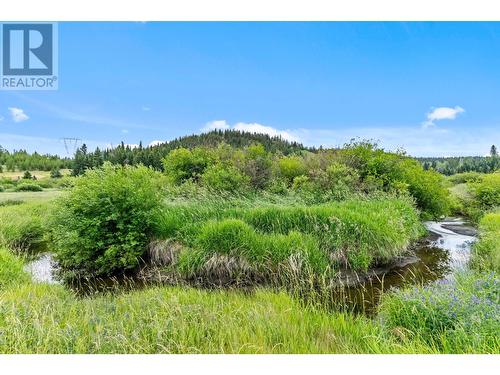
<point x="430" y="88"/>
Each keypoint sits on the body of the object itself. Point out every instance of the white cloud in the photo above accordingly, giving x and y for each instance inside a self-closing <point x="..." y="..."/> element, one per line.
<point x="216" y="125"/>
<point x="145" y="108"/>
<point x="18" y="114"/>
<point x="124" y="131"/>
<point x="258" y="128"/>
<point x="1" y="118"/>
<point x="251" y="128"/>
<point x="155" y="143"/>
<point x="442" y="113"/>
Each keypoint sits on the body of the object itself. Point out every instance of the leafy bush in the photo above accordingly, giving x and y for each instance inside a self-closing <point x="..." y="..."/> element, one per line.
<point x="486" y="251"/>
<point x="2" y="189"/>
<point x="457" y="317"/>
<point x="55" y="173"/>
<point x="103" y="224"/>
<point x="223" y="177"/>
<point x="398" y="173"/>
<point x="6" y="181"/>
<point x="183" y="164"/>
<point x="27" y="175"/>
<point x="256" y="163"/>
<point x="487" y="191"/>
<point x="64" y="182"/>
<point x="26" y="186"/>
<point x="291" y="167"/>
<point x="464" y="177"/>
<point x="47" y="183"/>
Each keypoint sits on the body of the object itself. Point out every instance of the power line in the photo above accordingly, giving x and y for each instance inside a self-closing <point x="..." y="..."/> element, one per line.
<point x="71" y="143"/>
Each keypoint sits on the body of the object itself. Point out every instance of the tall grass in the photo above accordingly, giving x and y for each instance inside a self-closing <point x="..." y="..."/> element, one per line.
<point x="23" y="226"/>
<point x="355" y="233"/>
<point x="486" y="251"/>
<point x="44" y="318"/>
<point x="264" y="253"/>
<point x="11" y="269"/>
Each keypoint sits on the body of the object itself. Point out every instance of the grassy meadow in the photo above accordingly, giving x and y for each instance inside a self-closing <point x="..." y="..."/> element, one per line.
<point x="242" y="241"/>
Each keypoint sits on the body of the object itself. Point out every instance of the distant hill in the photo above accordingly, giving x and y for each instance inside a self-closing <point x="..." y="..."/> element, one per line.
<point x="153" y="155"/>
<point x="233" y="138"/>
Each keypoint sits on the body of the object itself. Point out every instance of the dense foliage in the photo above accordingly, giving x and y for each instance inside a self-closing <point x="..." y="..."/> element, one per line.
<point x="237" y="162"/>
<point x="475" y="194"/>
<point x="102" y="225"/>
<point x="358" y="169"/>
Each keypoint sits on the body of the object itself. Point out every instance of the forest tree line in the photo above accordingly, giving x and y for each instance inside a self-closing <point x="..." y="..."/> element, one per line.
<point x="23" y="161"/>
<point x="460" y="164"/>
<point x="152" y="156"/>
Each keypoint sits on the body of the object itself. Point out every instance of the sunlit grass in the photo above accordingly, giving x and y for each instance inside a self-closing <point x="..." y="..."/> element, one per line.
<point x="45" y="195"/>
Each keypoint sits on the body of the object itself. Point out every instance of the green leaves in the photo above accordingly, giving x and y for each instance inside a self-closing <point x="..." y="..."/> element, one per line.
<point x="102" y="225"/>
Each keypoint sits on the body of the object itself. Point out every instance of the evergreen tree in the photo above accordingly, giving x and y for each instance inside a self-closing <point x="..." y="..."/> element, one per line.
<point x="493" y="151"/>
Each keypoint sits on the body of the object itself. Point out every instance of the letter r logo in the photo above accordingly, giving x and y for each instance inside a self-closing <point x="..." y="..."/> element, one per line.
<point x="27" y="49"/>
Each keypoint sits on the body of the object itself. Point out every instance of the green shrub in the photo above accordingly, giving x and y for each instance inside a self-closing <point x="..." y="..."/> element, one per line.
<point x="11" y="270"/>
<point x="223" y="177"/>
<point x="6" y="181"/>
<point x="278" y="186"/>
<point x="486" y="251"/>
<point x="55" y="173"/>
<point x="461" y="178"/>
<point x="22" y="226"/>
<point x="27" y="175"/>
<point x="339" y="174"/>
<point x="47" y="183"/>
<point x="64" y="182"/>
<point x="396" y="172"/>
<point x="102" y="225"/>
<point x="183" y="164"/>
<point x="256" y="163"/>
<point x="487" y="192"/>
<point x="2" y="189"/>
<point x="291" y="167"/>
<point x="460" y="316"/>
<point x="26" y="186"/>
